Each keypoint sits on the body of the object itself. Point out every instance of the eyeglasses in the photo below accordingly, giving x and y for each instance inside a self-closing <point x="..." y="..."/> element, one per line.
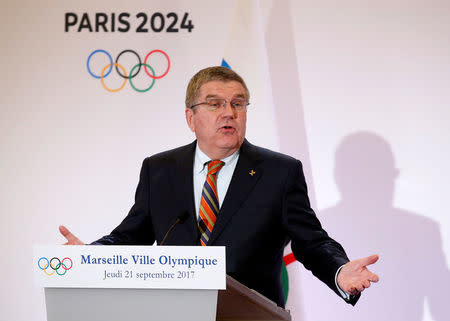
<point x="216" y="104"/>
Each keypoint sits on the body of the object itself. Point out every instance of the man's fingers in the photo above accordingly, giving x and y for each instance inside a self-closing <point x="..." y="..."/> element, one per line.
<point x="373" y="277"/>
<point x="353" y="291"/>
<point x="66" y="233"/>
<point x="369" y="260"/>
<point x="71" y="239"/>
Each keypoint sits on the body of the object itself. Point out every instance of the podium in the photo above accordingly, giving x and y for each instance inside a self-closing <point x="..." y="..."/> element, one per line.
<point x="79" y="297"/>
<point x="238" y="302"/>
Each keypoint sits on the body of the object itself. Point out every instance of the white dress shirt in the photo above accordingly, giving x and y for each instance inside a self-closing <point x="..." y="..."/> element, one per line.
<point x="223" y="176"/>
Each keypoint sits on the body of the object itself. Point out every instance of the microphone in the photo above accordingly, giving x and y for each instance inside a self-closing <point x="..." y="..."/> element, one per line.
<point x="180" y="220"/>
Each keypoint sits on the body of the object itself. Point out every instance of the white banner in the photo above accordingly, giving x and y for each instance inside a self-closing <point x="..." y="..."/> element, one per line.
<point x="157" y="267"/>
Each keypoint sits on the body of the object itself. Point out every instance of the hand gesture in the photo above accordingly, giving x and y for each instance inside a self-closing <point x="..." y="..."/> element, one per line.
<point x="354" y="276"/>
<point x="71" y="239"/>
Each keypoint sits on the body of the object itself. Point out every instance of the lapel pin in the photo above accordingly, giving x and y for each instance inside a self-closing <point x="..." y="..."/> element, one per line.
<point x="252" y="172"/>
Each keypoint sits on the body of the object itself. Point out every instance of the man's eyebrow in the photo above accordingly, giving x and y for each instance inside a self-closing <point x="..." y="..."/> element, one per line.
<point x="216" y="96"/>
<point x="211" y="96"/>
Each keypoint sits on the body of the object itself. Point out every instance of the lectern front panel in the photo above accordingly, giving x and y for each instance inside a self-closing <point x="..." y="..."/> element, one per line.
<point x="81" y="304"/>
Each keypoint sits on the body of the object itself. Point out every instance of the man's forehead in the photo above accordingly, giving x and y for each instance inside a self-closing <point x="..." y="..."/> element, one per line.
<point x="217" y="87"/>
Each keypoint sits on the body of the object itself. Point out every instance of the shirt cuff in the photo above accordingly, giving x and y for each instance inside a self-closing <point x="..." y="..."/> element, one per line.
<point x="343" y="294"/>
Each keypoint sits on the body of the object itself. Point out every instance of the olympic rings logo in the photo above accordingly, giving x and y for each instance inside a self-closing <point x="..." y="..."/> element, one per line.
<point x="60" y="267"/>
<point x="106" y="70"/>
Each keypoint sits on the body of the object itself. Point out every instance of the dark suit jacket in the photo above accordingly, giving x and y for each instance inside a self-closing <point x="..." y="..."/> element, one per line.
<point x="260" y="214"/>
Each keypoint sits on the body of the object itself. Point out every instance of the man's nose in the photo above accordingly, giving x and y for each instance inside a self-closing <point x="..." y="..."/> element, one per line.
<point x="229" y="111"/>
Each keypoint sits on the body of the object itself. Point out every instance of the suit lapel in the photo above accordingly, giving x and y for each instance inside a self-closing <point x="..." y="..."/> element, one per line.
<point x="245" y="177"/>
<point x="182" y="180"/>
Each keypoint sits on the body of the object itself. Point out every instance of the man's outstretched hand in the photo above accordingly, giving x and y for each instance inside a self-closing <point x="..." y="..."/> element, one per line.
<point x="354" y="276"/>
<point x="71" y="239"/>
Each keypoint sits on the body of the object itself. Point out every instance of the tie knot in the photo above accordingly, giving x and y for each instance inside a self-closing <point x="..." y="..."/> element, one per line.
<point x="214" y="166"/>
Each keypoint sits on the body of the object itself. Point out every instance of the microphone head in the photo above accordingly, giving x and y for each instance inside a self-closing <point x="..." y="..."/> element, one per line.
<point x="183" y="217"/>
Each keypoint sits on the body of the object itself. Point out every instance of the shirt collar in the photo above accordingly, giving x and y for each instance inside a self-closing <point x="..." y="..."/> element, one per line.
<point x="201" y="159"/>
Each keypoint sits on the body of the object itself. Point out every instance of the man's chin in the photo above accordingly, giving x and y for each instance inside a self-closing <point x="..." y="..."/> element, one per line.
<point x="231" y="145"/>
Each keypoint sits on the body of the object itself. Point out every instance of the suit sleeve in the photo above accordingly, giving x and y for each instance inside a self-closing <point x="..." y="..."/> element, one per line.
<point x="136" y="228"/>
<point x="310" y="244"/>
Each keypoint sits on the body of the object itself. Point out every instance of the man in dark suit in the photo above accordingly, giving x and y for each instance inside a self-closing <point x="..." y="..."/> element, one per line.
<point x="254" y="200"/>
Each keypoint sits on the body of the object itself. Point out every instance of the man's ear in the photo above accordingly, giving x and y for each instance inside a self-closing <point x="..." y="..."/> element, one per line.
<point x="190" y="118"/>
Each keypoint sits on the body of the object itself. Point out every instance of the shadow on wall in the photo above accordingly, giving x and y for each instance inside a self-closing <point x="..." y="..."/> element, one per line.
<point x="412" y="266"/>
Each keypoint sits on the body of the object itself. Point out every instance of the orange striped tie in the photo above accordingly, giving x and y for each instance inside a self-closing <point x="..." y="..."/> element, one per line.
<point x="209" y="204"/>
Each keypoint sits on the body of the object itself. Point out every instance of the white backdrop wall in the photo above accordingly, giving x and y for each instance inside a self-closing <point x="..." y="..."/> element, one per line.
<point x="358" y="92"/>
